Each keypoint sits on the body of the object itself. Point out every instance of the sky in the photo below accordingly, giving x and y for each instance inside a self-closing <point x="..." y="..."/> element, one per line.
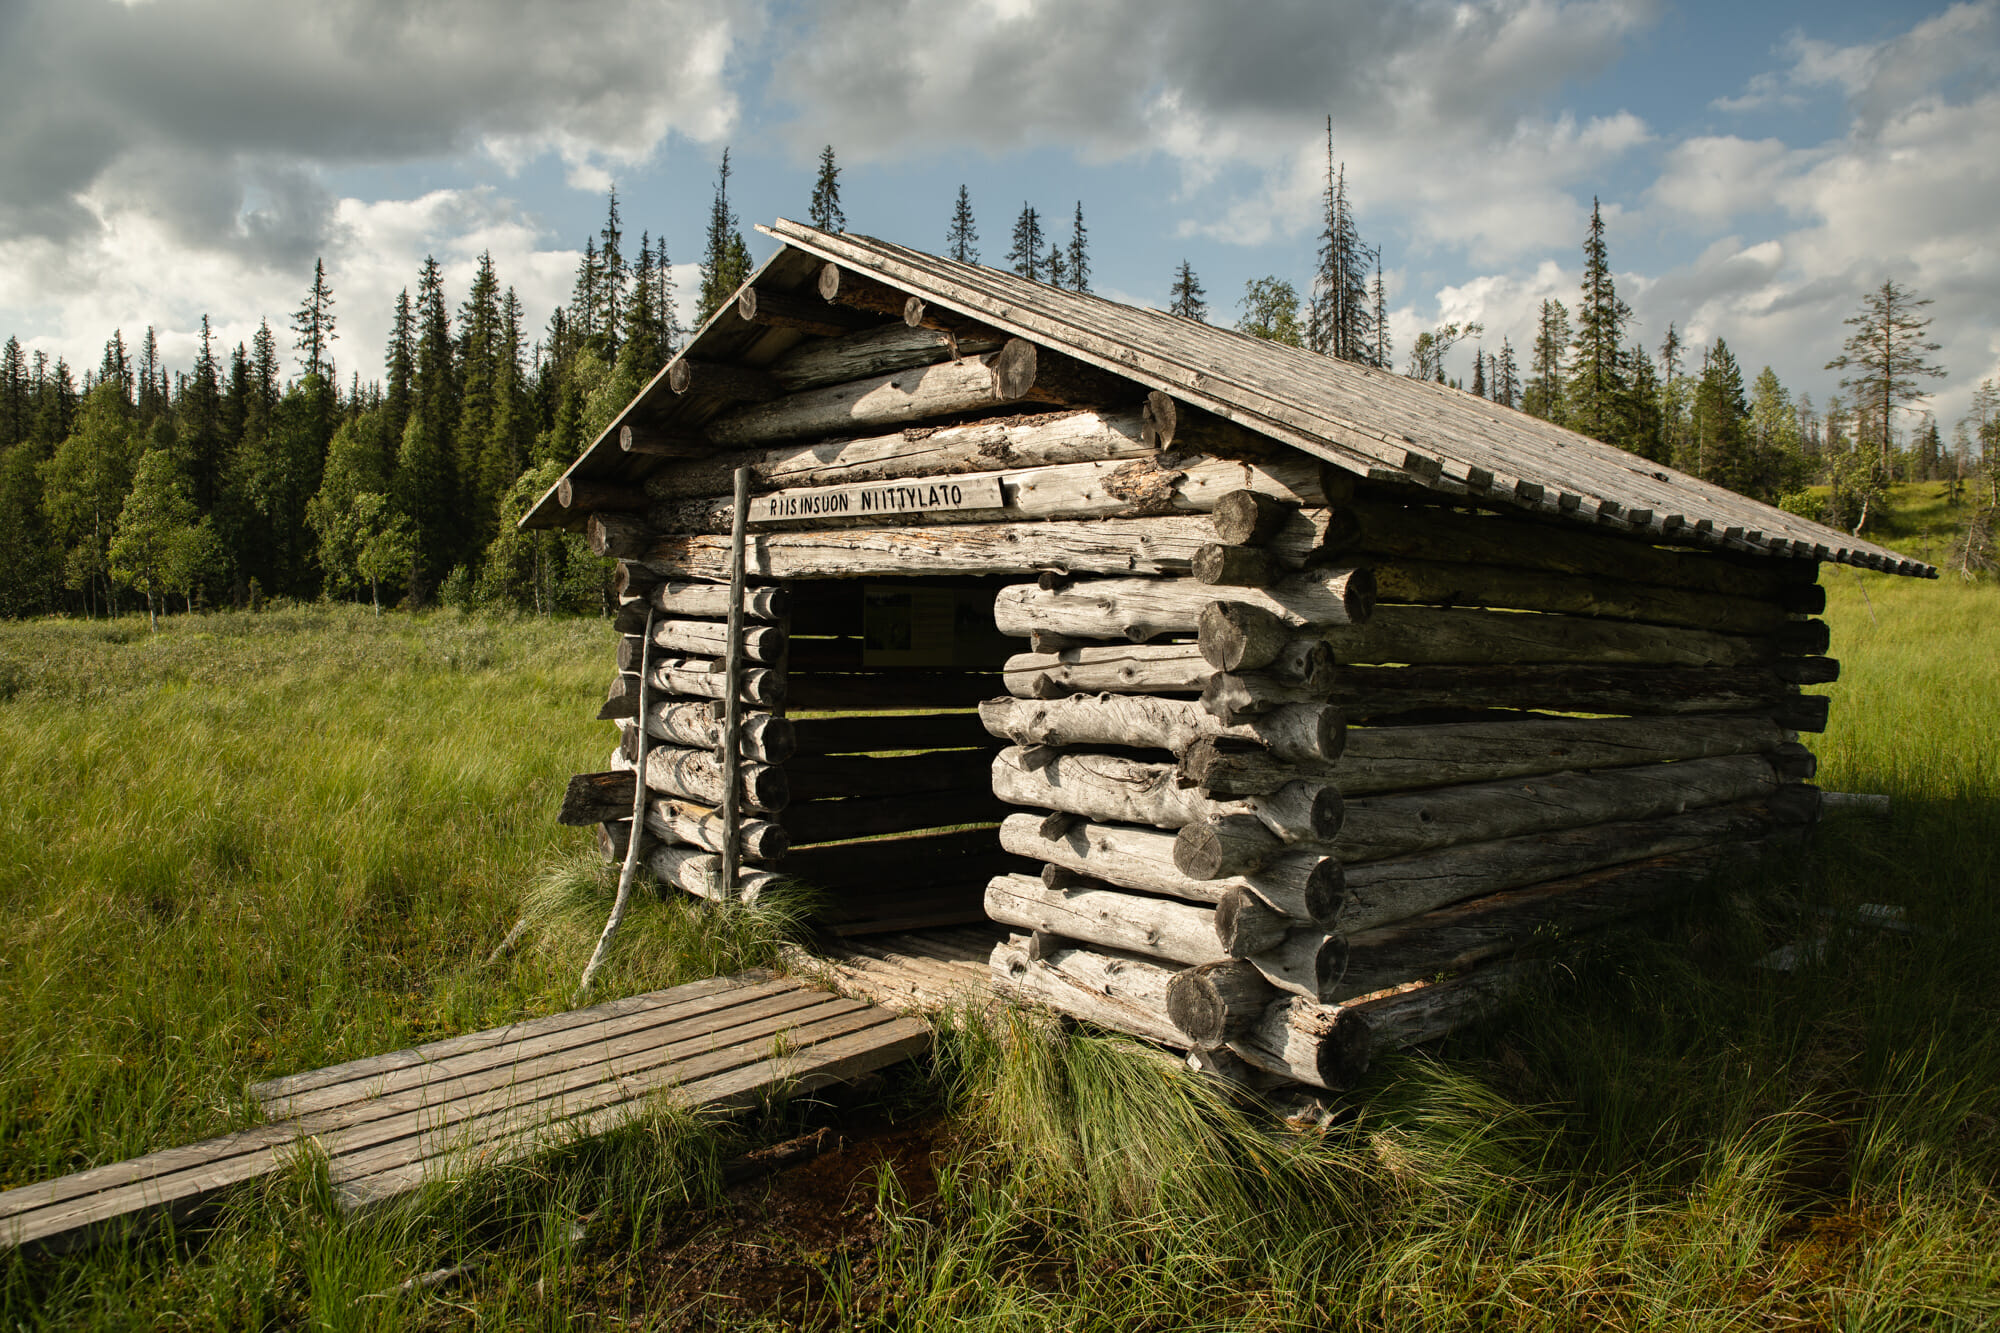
<point x="1759" y="166"/>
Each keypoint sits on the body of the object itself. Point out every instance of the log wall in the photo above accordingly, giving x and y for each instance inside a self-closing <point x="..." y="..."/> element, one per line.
<point x="1250" y="753"/>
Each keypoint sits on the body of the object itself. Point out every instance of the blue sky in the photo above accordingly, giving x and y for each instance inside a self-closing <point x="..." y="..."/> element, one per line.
<point x="1760" y="166"/>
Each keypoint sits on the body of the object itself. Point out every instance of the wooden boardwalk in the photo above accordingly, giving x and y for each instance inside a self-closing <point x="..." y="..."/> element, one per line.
<point x="390" y="1123"/>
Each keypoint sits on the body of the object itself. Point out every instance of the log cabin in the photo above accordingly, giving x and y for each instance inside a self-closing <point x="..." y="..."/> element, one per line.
<point x="1258" y="704"/>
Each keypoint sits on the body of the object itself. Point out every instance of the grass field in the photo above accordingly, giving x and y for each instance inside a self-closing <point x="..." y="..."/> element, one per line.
<point x="250" y="845"/>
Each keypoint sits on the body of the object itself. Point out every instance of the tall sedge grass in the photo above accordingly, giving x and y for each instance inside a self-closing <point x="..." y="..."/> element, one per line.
<point x="1663" y="1135"/>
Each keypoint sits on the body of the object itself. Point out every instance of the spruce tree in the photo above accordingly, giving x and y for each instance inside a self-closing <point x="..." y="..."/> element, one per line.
<point x="1543" y="394"/>
<point x="152" y="398"/>
<point x="1339" y="312"/>
<point x="1886" y="353"/>
<point x="825" y="207"/>
<point x="1596" y="392"/>
<point x="1724" y="452"/>
<point x="1055" y="267"/>
<point x="313" y="323"/>
<point x="1187" y="295"/>
<point x="479" y="387"/>
<point x="14" y="415"/>
<point x="725" y="263"/>
<point x="613" y="275"/>
<point x="434" y="401"/>
<point x="199" y="415"/>
<point x="1506" y="376"/>
<point x="961" y="239"/>
<point x="1025" y="257"/>
<point x="1382" y="350"/>
<point x="400" y="363"/>
<point x="585" y="302"/>
<point x="116" y="367"/>
<point x="1478" y="373"/>
<point x="1077" y="266"/>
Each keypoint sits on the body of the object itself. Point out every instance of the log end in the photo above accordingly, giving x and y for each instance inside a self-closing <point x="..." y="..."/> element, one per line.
<point x="1158" y="420"/>
<point x="1248" y="518"/>
<point x="1014" y="367"/>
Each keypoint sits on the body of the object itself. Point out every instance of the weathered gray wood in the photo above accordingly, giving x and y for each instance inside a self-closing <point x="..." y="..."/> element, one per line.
<point x="639" y="438"/>
<point x="1118" y="488"/>
<point x="711" y="600"/>
<point x="882" y="350"/>
<point x="1159" y="668"/>
<point x="1114" y="789"/>
<point x="599" y="496"/>
<point x="1236" y="636"/>
<point x="1379" y="892"/>
<point x="1401" y="824"/>
<point x="1365" y="692"/>
<point x="1472" y="931"/>
<point x="1451" y="637"/>
<point x="1152" y="927"/>
<point x="625" y="536"/>
<point x="729" y="756"/>
<point x="593" y="798"/>
<point x="710" y="638"/>
<point x="1227" y="846"/>
<point x="1407" y="1016"/>
<point x="879" y="400"/>
<point x="1119" y="992"/>
<point x="1142" y="546"/>
<point x="782" y="310"/>
<point x="695" y="775"/>
<point x="701" y="874"/>
<point x="766" y="738"/>
<point x="1215" y="1002"/>
<point x="700" y="826"/>
<point x="1237" y="698"/>
<point x="728" y="381"/>
<point x="1236" y="566"/>
<point x="704" y="678"/>
<point x="1245" y="518"/>
<point x="1140" y="610"/>
<point x="1309" y="734"/>
<point x="1450" y="584"/>
<point x="1245" y="924"/>
<point x="1387" y="759"/>
<point x="980" y="446"/>
<point x="1302" y="885"/>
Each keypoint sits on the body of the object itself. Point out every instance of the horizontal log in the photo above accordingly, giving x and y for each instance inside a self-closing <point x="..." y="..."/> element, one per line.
<point x="1801" y="712"/>
<point x="1803" y="638"/>
<point x="703" y="678"/>
<point x="1366" y="692"/>
<point x="916" y="860"/>
<point x="710" y="638"/>
<point x="1470" y="932"/>
<point x="621" y="699"/>
<point x="783" y="310"/>
<point x="630" y="582"/>
<point x="1119" y="488"/>
<point x="1379" y="892"/>
<point x="866" y="816"/>
<point x="1158" y="668"/>
<point x="888" y="775"/>
<point x="860" y="733"/>
<point x="612" y="837"/>
<point x="1302" y="885"/>
<point x="1140" y="610"/>
<point x="1113" y="789"/>
<point x="599" y="496"/>
<point x="594" y="798"/>
<point x="1150" y="927"/>
<point x="700" y="873"/>
<point x="1438" y="583"/>
<point x="1451" y="637"/>
<point x="1807" y="670"/>
<point x="711" y="601"/>
<point x="1409" y="1015"/>
<point x="725" y="381"/>
<point x="1139" y="545"/>
<point x="882" y="350"/>
<point x="1235" y="699"/>
<point x="641" y="438"/>
<point x="1400" y="824"/>
<point x="1308" y="734"/>
<point x="694" y="775"/>
<point x="1390" y="759"/>
<point x="1121" y="992"/>
<point x="879" y="400"/>
<point x="700" y="826"/>
<point x="1432" y="532"/>
<point x="764" y="737"/>
<point x="1000" y="442"/>
<point x="625" y="536"/>
<point x="1217" y="1002"/>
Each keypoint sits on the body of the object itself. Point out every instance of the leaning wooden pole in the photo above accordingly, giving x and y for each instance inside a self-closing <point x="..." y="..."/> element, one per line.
<point x="632" y="839"/>
<point x="732" y="690"/>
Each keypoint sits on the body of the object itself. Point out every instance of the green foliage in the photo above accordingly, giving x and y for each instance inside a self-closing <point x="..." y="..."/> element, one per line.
<point x="824" y="210"/>
<point x="961" y="239"/>
<point x="162" y="543"/>
<point x="1270" y="310"/>
<point x="1026" y="256"/>
<point x="725" y="260"/>
<point x="84" y="486"/>
<point x="1186" y="297"/>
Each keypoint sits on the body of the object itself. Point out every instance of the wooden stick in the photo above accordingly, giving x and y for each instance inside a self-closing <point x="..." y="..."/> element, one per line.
<point x="624" y="894"/>
<point x="732" y="694"/>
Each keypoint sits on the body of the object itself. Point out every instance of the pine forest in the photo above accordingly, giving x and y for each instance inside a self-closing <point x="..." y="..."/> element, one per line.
<point x="235" y="482"/>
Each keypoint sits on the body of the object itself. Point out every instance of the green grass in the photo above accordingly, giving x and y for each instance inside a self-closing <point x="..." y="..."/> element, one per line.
<point x="1664" y="1136"/>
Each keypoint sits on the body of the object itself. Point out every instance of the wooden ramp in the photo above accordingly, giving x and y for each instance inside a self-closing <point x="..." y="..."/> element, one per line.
<point x="390" y="1123"/>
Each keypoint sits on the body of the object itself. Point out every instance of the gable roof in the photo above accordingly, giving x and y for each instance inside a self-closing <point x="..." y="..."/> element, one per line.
<point x="1374" y="423"/>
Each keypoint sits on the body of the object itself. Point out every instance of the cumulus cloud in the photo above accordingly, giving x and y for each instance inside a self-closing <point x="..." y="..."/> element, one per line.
<point x="212" y="116"/>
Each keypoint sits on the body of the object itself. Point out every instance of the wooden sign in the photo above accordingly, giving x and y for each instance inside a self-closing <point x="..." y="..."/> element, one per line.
<point x="877" y="499"/>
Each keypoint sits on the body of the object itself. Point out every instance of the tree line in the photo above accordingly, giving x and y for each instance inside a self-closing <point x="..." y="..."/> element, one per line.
<point x="230" y="483"/>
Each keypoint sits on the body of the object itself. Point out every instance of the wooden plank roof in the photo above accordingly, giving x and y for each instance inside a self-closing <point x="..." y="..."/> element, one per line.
<point x="1374" y="423"/>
